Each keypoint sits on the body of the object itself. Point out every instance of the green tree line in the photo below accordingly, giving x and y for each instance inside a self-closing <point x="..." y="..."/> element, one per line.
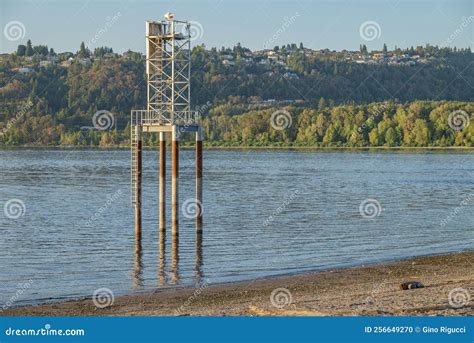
<point x="388" y="124"/>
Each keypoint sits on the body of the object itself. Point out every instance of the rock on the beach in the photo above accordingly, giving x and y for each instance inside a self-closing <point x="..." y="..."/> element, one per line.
<point x="411" y="285"/>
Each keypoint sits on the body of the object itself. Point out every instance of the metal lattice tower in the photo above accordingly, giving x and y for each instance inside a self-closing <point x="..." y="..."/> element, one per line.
<point x="168" y="67"/>
<point x="168" y="111"/>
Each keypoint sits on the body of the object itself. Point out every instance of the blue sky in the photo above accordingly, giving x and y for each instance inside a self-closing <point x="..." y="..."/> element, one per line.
<point x="254" y="23"/>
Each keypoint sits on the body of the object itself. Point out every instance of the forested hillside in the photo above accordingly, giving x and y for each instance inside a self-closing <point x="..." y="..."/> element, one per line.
<point x="328" y="97"/>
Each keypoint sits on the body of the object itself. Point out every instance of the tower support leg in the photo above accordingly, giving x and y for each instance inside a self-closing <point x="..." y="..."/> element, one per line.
<point x="162" y="184"/>
<point x="199" y="207"/>
<point x="175" y="181"/>
<point x="138" y="185"/>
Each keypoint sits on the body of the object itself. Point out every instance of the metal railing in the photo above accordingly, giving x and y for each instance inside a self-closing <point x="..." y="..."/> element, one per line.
<point x="145" y="117"/>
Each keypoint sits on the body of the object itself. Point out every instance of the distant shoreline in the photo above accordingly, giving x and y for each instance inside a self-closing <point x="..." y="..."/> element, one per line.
<point x="222" y="147"/>
<point x="370" y="290"/>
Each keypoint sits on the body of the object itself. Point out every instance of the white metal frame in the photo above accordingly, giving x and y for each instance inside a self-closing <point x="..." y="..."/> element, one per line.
<point x="168" y="69"/>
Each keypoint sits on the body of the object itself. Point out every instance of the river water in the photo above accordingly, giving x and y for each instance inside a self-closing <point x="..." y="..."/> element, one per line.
<point x="67" y="225"/>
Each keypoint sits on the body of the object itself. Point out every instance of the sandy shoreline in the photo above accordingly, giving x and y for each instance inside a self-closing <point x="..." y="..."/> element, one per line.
<point x="365" y="290"/>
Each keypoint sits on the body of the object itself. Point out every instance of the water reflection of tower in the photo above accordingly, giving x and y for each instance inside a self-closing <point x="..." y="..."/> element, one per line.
<point x="137" y="265"/>
<point x="198" y="265"/>
<point x="162" y="259"/>
<point x="174" y="270"/>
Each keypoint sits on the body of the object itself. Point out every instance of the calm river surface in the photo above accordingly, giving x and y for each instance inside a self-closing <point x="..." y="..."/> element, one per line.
<point x="265" y="213"/>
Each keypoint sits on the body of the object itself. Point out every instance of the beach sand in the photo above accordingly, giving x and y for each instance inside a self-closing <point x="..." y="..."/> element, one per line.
<point x="365" y="290"/>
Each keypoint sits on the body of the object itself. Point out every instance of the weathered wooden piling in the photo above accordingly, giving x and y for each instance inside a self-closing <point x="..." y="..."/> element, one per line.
<point x="138" y="183"/>
<point x="162" y="185"/>
<point x="175" y="181"/>
<point x="199" y="208"/>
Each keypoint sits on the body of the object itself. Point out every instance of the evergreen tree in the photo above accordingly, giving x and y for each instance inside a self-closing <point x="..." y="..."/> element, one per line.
<point x="40" y="50"/>
<point x="21" y="50"/>
<point x="29" y="48"/>
<point x="321" y="104"/>
<point x="83" y="51"/>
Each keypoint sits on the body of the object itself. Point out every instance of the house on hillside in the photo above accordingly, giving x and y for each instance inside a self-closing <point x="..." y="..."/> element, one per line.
<point x="291" y="76"/>
<point x="85" y="61"/>
<point x="25" y="70"/>
<point x="379" y="55"/>
<point x="45" y="63"/>
<point x="67" y="62"/>
<point x="247" y="60"/>
<point x="228" y="63"/>
<point x="227" y="57"/>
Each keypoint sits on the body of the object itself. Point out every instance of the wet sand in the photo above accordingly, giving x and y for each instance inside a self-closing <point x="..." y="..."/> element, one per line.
<point x="366" y="290"/>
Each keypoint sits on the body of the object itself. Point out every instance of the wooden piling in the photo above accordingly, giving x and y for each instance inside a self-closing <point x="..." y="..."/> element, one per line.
<point x="138" y="186"/>
<point x="162" y="185"/>
<point x="199" y="208"/>
<point x="175" y="181"/>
